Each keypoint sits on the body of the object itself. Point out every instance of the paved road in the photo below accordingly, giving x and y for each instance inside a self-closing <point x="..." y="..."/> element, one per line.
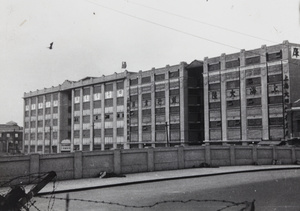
<point x="272" y="190"/>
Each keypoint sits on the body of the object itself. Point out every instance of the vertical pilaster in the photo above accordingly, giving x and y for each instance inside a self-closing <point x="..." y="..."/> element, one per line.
<point x="206" y="100"/>
<point x="102" y="117"/>
<point x="140" y="129"/>
<point x="153" y="108"/>
<point x="81" y="119"/>
<point x="51" y="124"/>
<point x="183" y="103"/>
<point x="36" y="124"/>
<point x="223" y="98"/>
<point x="114" y="114"/>
<point x="92" y="137"/>
<point x="59" y="100"/>
<point x="243" y="96"/>
<point x="264" y="93"/>
<point x="72" y="120"/>
<point x="126" y="96"/>
<point x="167" y="105"/>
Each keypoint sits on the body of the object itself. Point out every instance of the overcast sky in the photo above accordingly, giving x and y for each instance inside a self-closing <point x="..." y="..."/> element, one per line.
<point x="93" y="37"/>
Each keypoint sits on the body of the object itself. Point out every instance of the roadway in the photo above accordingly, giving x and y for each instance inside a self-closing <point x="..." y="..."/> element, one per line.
<point x="271" y="190"/>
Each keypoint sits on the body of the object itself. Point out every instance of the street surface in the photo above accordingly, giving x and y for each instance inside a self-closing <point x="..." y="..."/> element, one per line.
<point x="271" y="190"/>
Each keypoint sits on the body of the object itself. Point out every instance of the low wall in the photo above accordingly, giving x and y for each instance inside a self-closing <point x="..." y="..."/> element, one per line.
<point x="88" y="164"/>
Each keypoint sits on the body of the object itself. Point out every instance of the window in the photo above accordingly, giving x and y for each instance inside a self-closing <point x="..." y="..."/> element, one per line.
<point x="253" y="81"/>
<point x="86" y="119"/>
<point x="254" y="102"/>
<point x="215" y="124"/>
<point x="160" y="77"/>
<point x="212" y="67"/>
<point x="276" y="121"/>
<point x="133" y="82"/>
<point x="233" y="123"/>
<point x="252" y="60"/>
<point x="16" y="135"/>
<point x="146" y="79"/>
<point x="7" y="135"/>
<point x="174" y="74"/>
<point x="274" y="56"/>
<point x="275" y="99"/>
<point x="120" y="115"/>
<point x="97" y="118"/>
<point x="255" y="122"/>
<point x="76" y="120"/>
<point x="232" y="64"/>
<point x="233" y="103"/>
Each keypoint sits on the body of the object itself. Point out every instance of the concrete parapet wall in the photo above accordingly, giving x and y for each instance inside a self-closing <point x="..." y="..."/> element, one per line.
<point x="88" y="164"/>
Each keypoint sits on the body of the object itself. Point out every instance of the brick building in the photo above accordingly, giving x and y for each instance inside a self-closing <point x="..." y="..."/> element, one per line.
<point x="252" y="95"/>
<point x="159" y="107"/>
<point x="11" y="136"/>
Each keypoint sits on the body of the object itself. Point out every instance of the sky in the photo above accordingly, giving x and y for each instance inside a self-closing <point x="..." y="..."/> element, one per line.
<point x="94" y="37"/>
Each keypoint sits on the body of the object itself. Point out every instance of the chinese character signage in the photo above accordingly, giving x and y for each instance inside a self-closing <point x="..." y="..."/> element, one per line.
<point x="295" y="52"/>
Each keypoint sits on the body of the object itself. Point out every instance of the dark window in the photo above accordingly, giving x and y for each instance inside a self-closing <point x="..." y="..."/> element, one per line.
<point x="97" y="118"/>
<point x="76" y="107"/>
<point x="97" y="89"/>
<point x="120" y="101"/>
<point x="133" y="82"/>
<point x="40" y="112"/>
<point x="214" y="86"/>
<point x="212" y="67"/>
<point x="174" y="74"/>
<point x="160" y="111"/>
<point x="215" y="124"/>
<point x="253" y="81"/>
<point x="254" y="102"/>
<point x="146" y="79"/>
<point x="214" y="105"/>
<point x="86" y="133"/>
<point x="233" y="103"/>
<point x="86" y="105"/>
<point x="109" y="87"/>
<point x="108" y="132"/>
<point x="120" y="85"/>
<point x="160" y="77"/>
<point x="108" y="102"/>
<point x="233" y="84"/>
<point x="274" y="56"/>
<point x="174" y="110"/>
<point x="274" y="78"/>
<point x="160" y="127"/>
<point x="276" y="121"/>
<point x="97" y="104"/>
<point x="275" y="99"/>
<point x="146" y="112"/>
<point x="233" y="63"/>
<point x="55" y="122"/>
<point x="86" y="119"/>
<point x="233" y="123"/>
<point x="252" y="60"/>
<point x="120" y="115"/>
<point x="76" y="120"/>
<point x="255" y="122"/>
<point x="76" y="133"/>
<point x="86" y="91"/>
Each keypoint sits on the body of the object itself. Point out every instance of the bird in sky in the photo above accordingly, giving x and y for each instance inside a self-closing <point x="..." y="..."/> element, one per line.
<point x="50" y="47"/>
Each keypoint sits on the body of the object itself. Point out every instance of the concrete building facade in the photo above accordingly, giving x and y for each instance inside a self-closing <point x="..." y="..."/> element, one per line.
<point x="123" y="110"/>
<point x="252" y="95"/>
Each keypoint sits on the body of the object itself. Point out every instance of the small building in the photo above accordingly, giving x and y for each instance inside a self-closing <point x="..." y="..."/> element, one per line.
<point x="11" y="138"/>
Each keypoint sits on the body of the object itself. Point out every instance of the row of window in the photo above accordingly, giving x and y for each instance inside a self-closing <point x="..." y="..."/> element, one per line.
<point x="250" y="122"/>
<point x="158" y="77"/>
<point x="8" y="135"/>
<point x="248" y="61"/>
<point x="39" y="123"/>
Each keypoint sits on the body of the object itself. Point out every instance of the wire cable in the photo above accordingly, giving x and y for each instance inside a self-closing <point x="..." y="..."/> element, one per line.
<point x="201" y="22"/>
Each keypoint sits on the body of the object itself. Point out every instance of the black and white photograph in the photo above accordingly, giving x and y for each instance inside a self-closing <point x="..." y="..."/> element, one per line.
<point x="150" y="105"/>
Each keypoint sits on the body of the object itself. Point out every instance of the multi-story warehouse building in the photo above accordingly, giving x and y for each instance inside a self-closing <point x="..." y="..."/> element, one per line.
<point x="159" y="107"/>
<point x="251" y="96"/>
<point x="11" y="138"/>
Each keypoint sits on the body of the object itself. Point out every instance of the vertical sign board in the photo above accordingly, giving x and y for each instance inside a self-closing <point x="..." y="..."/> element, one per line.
<point x="295" y="52"/>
